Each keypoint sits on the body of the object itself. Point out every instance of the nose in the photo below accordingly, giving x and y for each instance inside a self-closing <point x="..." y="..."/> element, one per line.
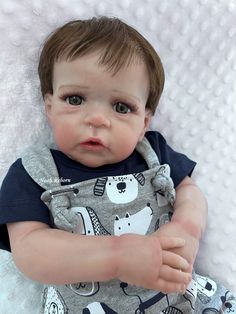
<point x="98" y="117"/>
<point x="121" y="187"/>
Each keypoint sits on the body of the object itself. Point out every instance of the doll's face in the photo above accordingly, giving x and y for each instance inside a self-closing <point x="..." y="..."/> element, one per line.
<point x="98" y="117"/>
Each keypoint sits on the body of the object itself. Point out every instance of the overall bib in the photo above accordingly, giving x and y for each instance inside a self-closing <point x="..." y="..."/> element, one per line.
<point x="133" y="203"/>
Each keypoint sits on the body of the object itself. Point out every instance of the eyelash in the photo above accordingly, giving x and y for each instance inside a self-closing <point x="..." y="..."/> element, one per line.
<point x="65" y="96"/>
<point x="133" y="107"/>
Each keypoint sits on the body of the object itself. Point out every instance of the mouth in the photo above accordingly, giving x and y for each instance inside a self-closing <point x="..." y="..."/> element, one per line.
<point x="92" y="144"/>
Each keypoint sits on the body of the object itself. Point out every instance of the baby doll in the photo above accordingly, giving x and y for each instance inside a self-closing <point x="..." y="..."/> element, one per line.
<point x="108" y="217"/>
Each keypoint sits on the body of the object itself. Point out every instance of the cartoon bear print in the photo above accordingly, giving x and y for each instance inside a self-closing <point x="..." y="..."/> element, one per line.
<point x="137" y="223"/>
<point x="119" y="189"/>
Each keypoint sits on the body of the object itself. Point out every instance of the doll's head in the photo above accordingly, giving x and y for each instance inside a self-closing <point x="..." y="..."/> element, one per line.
<point x="119" y="43"/>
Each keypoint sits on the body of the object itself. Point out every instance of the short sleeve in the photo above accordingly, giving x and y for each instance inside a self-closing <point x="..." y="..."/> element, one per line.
<point x="180" y="165"/>
<point x="20" y="201"/>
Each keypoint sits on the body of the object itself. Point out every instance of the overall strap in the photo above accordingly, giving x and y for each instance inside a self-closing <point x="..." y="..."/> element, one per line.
<point x="161" y="181"/>
<point x="148" y="153"/>
<point x="40" y="165"/>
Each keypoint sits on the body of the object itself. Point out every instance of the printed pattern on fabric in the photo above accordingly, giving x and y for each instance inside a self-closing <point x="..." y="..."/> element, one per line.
<point x="134" y="203"/>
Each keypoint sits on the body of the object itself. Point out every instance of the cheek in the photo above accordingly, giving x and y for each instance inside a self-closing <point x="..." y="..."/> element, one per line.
<point x="125" y="143"/>
<point x="63" y="134"/>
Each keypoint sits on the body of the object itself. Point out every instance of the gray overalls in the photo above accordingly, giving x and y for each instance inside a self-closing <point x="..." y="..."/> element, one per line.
<point x="132" y="203"/>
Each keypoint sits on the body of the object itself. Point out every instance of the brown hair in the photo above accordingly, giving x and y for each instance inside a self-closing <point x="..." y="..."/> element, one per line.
<point x="120" y="44"/>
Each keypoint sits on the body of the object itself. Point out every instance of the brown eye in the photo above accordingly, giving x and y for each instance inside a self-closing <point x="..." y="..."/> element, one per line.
<point x="74" y="100"/>
<point x="121" y="108"/>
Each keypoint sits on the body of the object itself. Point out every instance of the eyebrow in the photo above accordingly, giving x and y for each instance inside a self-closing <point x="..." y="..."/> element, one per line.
<point x="126" y="94"/>
<point x="73" y="86"/>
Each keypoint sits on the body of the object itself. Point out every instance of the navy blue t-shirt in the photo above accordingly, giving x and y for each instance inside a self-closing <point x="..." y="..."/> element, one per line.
<point x="20" y="195"/>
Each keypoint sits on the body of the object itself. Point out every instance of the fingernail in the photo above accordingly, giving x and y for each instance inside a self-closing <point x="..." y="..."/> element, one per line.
<point x="181" y="241"/>
<point x="188" y="279"/>
<point x="185" y="264"/>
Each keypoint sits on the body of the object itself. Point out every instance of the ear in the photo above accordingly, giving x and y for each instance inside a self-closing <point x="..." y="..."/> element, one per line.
<point x="48" y="106"/>
<point x="146" y="124"/>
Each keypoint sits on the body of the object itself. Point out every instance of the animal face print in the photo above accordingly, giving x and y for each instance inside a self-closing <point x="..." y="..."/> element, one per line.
<point x="137" y="223"/>
<point x="120" y="189"/>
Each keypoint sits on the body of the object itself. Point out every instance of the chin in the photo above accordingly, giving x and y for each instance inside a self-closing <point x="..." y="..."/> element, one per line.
<point x="91" y="163"/>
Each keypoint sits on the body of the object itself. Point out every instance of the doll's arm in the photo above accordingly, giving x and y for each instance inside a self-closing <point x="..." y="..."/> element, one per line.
<point x="54" y="256"/>
<point x="189" y="218"/>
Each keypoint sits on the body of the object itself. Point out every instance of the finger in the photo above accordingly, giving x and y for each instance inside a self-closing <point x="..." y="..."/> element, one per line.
<point x="168" y="243"/>
<point x="174" y="275"/>
<point x="169" y="286"/>
<point x="174" y="260"/>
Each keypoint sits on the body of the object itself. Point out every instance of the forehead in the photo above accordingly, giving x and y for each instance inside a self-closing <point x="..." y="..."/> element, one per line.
<point x="92" y="63"/>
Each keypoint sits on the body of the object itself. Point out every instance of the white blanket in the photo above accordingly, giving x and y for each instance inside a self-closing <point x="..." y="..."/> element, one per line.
<point x="197" y="43"/>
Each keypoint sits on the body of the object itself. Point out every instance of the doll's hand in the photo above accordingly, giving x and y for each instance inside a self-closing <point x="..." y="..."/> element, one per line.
<point x="147" y="261"/>
<point x="190" y="249"/>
